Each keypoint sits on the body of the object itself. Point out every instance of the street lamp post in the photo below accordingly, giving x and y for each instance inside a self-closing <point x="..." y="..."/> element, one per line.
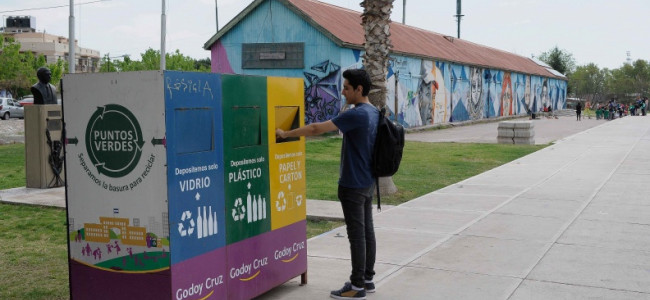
<point x="163" y="28"/>
<point x="71" y="44"/>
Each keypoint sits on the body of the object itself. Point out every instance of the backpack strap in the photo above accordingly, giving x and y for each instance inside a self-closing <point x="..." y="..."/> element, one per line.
<point x="382" y="114"/>
<point x="378" y="196"/>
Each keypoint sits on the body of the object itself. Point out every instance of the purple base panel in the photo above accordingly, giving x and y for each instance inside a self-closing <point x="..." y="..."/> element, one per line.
<point x="87" y="282"/>
<point x="200" y="277"/>
<point x="260" y="263"/>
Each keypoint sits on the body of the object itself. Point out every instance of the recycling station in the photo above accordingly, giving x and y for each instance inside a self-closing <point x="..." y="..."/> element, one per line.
<point x="177" y="187"/>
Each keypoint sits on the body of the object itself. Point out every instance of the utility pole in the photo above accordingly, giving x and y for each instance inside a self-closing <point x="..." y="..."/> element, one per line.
<point x="163" y="29"/>
<point x="216" y="13"/>
<point x="71" y="44"/>
<point x="403" y="11"/>
<point x="458" y="15"/>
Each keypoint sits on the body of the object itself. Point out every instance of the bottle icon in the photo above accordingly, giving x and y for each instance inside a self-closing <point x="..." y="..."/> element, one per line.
<point x="263" y="203"/>
<point x="249" y="206"/>
<point x="205" y="223"/>
<point x="254" y="209"/>
<point x="215" y="223"/>
<point x="210" y="227"/>
<point x="199" y="223"/>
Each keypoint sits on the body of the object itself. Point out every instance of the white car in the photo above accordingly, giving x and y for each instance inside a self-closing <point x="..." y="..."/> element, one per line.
<point x="10" y="108"/>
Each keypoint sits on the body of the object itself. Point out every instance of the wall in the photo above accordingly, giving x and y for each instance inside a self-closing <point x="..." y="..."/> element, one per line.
<point x="420" y="92"/>
<point x="272" y="22"/>
<point x="433" y="92"/>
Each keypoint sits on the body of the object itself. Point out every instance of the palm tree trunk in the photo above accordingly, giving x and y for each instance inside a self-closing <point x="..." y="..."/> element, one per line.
<point x="376" y="24"/>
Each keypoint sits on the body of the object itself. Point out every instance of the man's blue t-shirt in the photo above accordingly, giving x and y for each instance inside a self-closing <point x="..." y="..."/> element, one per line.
<point x="359" y="127"/>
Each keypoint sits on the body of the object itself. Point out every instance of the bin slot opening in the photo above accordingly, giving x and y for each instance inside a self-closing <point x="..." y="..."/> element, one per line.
<point x="193" y="130"/>
<point x="286" y="118"/>
<point x="247" y="126"/>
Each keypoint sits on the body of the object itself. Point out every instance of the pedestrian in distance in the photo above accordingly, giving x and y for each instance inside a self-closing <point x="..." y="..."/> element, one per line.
<point x="356" y="181"/>
<point x="578" y="111"/>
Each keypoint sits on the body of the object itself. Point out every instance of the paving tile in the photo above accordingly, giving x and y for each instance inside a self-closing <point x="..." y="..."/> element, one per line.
<point x="559" y="192"/>
<point x="456" y="202"/>
<point x="538" y="290"/>
<point x="430" y="284"/>
<point x="621" y="196"/>
<point x="425" y="220"/>
<point x="607" y="234"/>
<point x="516" y="227"/>
<point x="560" y="209"/>
<point x="393" y="246"/>
<point x="479" y="189"/>
<point x="489" y="256"/>
<point x="597" y="267"/>
<point x="637" y="214"/>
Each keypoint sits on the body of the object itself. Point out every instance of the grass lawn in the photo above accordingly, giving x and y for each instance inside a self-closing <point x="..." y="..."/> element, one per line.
<point x="425" y="167"/>
<point x="33" y="246"/>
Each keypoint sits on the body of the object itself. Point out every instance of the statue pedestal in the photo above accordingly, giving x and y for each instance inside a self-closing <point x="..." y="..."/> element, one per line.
<point x="39" y="119"/>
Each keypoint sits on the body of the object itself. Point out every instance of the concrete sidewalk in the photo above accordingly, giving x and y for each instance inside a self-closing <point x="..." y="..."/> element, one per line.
<point x="568" y="222"/>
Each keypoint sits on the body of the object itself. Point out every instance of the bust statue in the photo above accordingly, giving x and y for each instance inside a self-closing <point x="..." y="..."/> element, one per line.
<point x="43" y="91"/>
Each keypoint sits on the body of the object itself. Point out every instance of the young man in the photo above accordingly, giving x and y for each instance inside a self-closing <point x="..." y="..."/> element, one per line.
<point x="359" y="127"/>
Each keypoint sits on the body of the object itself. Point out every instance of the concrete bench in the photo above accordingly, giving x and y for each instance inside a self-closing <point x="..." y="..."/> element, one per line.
<point x="516" y="132"/>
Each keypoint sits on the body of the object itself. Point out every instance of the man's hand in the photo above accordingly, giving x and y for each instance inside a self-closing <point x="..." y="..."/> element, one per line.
<point x="280" y="134"/>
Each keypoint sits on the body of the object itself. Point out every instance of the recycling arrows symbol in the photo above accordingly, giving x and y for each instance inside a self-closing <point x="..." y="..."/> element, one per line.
<point x="239" y="211"/>
<point x="187" y="215"/>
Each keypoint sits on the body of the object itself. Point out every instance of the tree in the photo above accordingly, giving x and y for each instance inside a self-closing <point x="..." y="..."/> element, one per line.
<point x="375" y="20"/>
<point x="630" y="80"/>
<point x="18" y="72"/>
<point x="559" y="59"/>
<point x="203" y="64"/>
<point x="588" y="82"/>
<point x="150" y="60"/>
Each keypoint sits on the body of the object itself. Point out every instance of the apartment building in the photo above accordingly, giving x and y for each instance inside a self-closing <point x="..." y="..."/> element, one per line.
<point x="53" y="47"/>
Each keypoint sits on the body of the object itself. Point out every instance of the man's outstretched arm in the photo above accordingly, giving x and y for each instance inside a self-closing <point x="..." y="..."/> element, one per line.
<point x="307" y="130"/>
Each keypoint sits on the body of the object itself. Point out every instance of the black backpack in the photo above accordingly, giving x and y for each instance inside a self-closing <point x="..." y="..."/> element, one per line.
<point x="387" y="152"/>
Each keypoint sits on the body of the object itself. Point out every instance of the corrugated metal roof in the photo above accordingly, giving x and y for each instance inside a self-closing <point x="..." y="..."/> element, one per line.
<point x="344" y="27"/>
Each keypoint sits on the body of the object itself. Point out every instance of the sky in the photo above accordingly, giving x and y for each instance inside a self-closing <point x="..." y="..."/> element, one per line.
<point x="593" y="31"/>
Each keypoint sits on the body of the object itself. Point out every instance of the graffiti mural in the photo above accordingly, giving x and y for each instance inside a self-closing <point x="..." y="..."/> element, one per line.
<point x="425" y="92"/>
<point x="322" y="92"/>
<point x="546" y="100"/>
<point x="519" y="93"/>
<point x="557" y="93"/>
<point x="475" y="104"/>
<point x="442" y="94"/>
<point x="536" y="93"/>
<point x="491" y="90"/>
<point x="460" y="92"/>
<point x="506" y="95"/>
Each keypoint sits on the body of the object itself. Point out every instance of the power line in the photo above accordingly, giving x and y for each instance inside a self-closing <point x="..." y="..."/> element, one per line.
<point x="50" y="7"/>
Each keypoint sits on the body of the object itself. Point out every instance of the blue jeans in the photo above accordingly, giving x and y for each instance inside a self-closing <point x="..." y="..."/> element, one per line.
<point x="357" y="210"/>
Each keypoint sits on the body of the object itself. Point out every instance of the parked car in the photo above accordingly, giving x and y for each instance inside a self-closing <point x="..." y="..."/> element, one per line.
<point x="10" y="108"/>
<point x="27" y="100"/>
<point x="30" y="101"/>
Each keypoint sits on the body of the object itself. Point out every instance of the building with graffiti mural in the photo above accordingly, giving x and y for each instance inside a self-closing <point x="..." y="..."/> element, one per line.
<point x="432" y="78"/>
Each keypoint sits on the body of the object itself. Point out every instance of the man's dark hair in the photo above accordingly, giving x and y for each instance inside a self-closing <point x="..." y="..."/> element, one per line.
<point x="358" y="77"/>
